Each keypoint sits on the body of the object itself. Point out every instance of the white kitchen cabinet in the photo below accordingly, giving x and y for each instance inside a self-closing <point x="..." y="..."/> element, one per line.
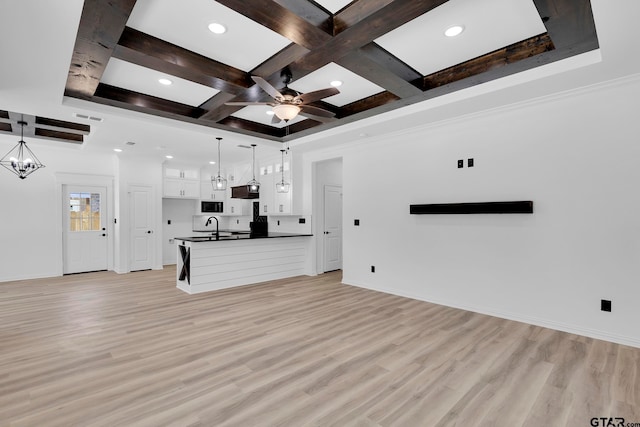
<point x="237" y="207"/>
<point x="273" y="203"/>
<point x="177" y="172"/>
<point x="267" y="190"/>
<point x="207" y="192"/>
<point x="181" y="182"/>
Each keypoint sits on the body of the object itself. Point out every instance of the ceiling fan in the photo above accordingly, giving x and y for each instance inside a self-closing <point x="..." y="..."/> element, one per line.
<point x="288" y="103"/>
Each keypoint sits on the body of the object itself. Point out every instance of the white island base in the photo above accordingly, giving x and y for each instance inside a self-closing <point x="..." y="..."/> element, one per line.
<point x="211" y="265"/>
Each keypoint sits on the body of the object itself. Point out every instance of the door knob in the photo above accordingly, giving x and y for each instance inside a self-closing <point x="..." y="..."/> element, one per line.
<point x="148" y="231"/>
<point x="103" y="234"/>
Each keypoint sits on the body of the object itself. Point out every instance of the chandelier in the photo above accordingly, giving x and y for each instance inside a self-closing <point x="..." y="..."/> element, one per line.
<point x="20" y="159"/>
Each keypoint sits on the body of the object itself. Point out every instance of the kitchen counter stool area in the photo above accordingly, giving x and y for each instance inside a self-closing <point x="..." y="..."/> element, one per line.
<point x="207" y="265"/>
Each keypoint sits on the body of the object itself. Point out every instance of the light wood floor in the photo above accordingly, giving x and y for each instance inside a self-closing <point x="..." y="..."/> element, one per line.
<point x="103" y="349"/>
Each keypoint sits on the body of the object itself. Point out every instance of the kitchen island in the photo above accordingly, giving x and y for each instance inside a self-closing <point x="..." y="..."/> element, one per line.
<point x="234" y="259"/>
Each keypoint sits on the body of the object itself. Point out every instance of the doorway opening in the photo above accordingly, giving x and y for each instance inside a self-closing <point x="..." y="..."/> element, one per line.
<point x="327" y="202"/>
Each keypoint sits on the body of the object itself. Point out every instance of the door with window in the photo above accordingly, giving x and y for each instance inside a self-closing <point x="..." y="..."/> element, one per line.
<point x="85" y="229"/>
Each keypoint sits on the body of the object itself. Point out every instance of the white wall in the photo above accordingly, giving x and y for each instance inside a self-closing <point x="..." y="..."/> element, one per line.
<point x="30" y="209"/>
<point x="575" y="156"/>
<point x="180" y="213"/>
<point x="144" y="172"/>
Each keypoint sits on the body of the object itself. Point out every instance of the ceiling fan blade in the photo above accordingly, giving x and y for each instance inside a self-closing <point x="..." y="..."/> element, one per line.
<point x="266" y="86"/>
<point x="309" y="109"/>
<point x="316" y="95"/>
<point x="248" y="103"/>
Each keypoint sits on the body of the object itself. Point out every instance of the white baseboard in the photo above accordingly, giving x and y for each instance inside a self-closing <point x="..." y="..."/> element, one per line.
<point x="558" y="326"/>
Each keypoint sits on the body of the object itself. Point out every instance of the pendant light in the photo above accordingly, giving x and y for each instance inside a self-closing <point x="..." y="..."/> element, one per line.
<point x="219" y="183"/>
<point x="253" y="186"/>
<point x="282" y="186"/>
<point x="20" y="159"/>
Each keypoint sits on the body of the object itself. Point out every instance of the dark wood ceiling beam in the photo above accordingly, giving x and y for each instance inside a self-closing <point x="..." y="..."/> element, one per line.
<point x="145" y="102"/>
<point x="101" y="24"/>
<point x="147" y="51"/>
<point x="356" y="12"/>
<point x="373" y="101"/>
<point x="363" y="32"/>
<point x="61" y="125"/>
<point x="383" y="74"/>
<point x="569" y="23"/>
<point x="249" y="126"/>
<point x="283" y="21"/>
<point x="310" y="12"/>
<point x="499" y="58"/>
<point x="62" y="136"/>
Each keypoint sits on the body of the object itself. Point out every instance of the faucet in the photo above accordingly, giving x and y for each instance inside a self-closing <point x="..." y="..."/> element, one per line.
<point x="217" y="223"/>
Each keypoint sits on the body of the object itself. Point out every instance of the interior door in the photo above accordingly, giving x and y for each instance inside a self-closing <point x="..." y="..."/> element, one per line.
<point x="85" y="229"/>
<point x="332" y="227"/>
<point x="142" y="254"/>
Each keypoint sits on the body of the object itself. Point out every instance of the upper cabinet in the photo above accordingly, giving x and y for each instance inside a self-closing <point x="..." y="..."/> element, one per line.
<point x="273" y="203"/>
<point x="181" y="182"/>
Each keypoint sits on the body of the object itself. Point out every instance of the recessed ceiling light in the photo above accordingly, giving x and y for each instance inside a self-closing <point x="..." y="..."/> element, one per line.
<point x="212" y="163"/>
<point x="336" y="83"/>
<point x="169" y="157"/>
<point x="165" y="82"/>
<point x="118" y="150"/>
<point x="216" y="28"/>
<point x="270" y="113"/>
<point x="454" y="31"/>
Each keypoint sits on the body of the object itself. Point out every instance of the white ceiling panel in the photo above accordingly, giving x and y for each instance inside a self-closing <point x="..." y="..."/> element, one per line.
<point x="185" y="23"/>
<point x="488" y="25"/>
<point x="258" y="114"/>
<point x="133" y="77"/>
<point x="353" y="86"/>
<point x="333" y="5"/>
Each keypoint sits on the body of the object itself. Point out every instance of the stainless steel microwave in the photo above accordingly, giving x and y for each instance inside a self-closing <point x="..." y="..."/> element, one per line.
<point x="211" y="207"/>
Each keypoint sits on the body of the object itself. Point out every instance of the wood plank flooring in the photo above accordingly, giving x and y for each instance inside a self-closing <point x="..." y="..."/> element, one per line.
<point x="102" y="349"/>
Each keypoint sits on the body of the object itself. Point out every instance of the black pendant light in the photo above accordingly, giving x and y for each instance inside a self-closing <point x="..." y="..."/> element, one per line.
<point x="219" y="183"/>
<point x="20" y="159"/>
<point x="253" y="186"/>
<point x="282" y="186"/>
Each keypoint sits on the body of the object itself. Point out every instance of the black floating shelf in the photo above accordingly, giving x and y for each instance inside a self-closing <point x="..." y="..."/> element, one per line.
<point x="520" y="207"/>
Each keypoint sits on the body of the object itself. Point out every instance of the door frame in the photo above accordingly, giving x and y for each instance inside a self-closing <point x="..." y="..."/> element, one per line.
<point x="324" y="227"/>
<point x="74" y="179"/>
<point x="317" y="202"/>
<point x="154" y="221"/>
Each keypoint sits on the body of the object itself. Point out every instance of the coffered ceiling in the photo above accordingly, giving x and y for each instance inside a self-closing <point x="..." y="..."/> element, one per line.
<point x="387" y="54"/>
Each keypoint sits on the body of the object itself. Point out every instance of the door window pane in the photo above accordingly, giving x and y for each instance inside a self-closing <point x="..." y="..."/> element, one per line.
<point x="84" y="212"/>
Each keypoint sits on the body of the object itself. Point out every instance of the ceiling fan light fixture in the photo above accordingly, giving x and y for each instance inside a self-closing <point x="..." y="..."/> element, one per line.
<point x="286" y="112"/>
<point x="454" y="30"/>
<point x="165" y="82"/>
<point x="336" y="83"/>
<point x="217" y="28"/>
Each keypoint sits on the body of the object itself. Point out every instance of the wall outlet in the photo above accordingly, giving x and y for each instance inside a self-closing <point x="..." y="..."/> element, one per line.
<point x="301" y="220"/>
<point x="356" y="222"/>
<point x="605" y="305"/>
<point x="168" y="222"/>
<point x="460" y="163"/>
<point x="470" y="162"/>
<point x="373" y="268"/>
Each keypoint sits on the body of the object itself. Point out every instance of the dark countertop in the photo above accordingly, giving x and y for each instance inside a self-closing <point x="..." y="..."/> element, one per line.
<point x="239" y="236"/>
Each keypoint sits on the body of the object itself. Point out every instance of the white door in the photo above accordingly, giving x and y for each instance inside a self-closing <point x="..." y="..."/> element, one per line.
<point x="332" y="227"/>
<point x="142" y="232"/>
<point x="85" y="228"/>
